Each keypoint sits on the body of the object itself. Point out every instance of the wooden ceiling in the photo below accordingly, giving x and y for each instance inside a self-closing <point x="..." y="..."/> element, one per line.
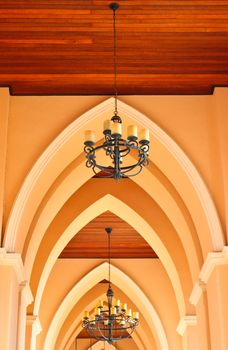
<point x="66" y="47"/>
<point x="92" y="241"/>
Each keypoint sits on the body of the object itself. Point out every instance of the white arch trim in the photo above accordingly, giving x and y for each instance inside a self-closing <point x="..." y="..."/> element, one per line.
<point x="121" y="280"/>
<point x="195" y="179"/>
<point x="122" y="210"/>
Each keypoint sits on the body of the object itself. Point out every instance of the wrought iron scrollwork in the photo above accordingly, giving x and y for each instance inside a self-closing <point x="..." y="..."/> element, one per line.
<point x="117" y="149"/>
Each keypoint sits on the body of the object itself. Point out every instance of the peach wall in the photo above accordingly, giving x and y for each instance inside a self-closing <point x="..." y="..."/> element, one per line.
<point x="202" y="323"/>
<point x="9" y="292"/>
<point x="4" y="108"/>
<point x="220" y="112"/>
<point x="217" y="291"/>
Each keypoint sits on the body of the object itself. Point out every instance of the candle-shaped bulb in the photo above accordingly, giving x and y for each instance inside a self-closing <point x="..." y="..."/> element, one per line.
<point x="85" y="314"/>
<point x="118" y="302"/>
<point x="132" y="131"/>
<point x="90" y="136"/>
<point x="100" y="304"/>
<point x="129" y="312"/>
<point x="144" y="135"/>
<point x="97" y="311"/>
<point x="113" y="310"/>
<point x="108" y="125"/>
<point x="124" y="307"/>
<point x="117" y="128"/>
<point x="136" y="315"/>
<point x="106" y="322"/>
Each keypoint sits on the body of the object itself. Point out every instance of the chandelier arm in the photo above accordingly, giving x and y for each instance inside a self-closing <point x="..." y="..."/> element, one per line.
<point x="132" y="166"/>
<point x="102" y="335"/>
<point x="142" y="149"/>
<point x="110" y="143"/>
<point x="94" y="328"/>
<point x="125" y="152"/>
<point x="134" y="174"/>
<point x="120" y="142"/>
<point x="125" y="328"/>
<point x="127" y="169"/>
<point x="132" y="143"/>
<point x="123" y="170"/>
<point x="89" y="164"/>
<point x="120" y="170"/>
<point x="106" y="170"/>
<point x="94" y="171"/>
<point x="128" y="174"/>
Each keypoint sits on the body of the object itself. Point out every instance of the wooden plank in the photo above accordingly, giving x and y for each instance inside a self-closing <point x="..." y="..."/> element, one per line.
<point x="92" y="241"/>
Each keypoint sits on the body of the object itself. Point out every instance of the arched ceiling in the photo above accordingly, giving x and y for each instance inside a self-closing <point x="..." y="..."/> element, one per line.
<point x="164" y="47"/>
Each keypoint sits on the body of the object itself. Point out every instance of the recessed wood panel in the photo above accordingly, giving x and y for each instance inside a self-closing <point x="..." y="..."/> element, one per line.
<point x="66" y="47"/>
<point x="92" y="241"/>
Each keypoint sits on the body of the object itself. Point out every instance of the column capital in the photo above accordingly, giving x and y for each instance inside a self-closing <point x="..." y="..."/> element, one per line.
<point x="14" y="260"/>
<point x="213" y="259"/>
<point x="185" y="322"/>
<point x="26" y="292"/>
<point x="34" y="322"/>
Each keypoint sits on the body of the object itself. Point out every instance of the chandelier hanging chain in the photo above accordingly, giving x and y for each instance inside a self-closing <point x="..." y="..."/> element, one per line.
<point x="109" y="261"/>
<point x="115" y="60"/>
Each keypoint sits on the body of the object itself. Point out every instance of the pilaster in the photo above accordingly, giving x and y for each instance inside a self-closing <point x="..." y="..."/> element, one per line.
<point x="15" y="295"/>
<point x="211" y="290"/>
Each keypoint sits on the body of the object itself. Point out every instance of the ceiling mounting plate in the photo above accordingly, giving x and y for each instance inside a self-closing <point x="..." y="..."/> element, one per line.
<point x="114" y="6"/>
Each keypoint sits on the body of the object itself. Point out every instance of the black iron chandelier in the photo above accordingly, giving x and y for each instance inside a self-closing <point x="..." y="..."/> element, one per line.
<point x="112" y="321"/>
<point x="115" y="147"/>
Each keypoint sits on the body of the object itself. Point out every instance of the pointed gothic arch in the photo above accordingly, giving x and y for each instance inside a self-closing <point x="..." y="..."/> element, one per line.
<point x="119" y="208"/>
<point x="121" y="280"/>
<point x="15" y="235"/>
